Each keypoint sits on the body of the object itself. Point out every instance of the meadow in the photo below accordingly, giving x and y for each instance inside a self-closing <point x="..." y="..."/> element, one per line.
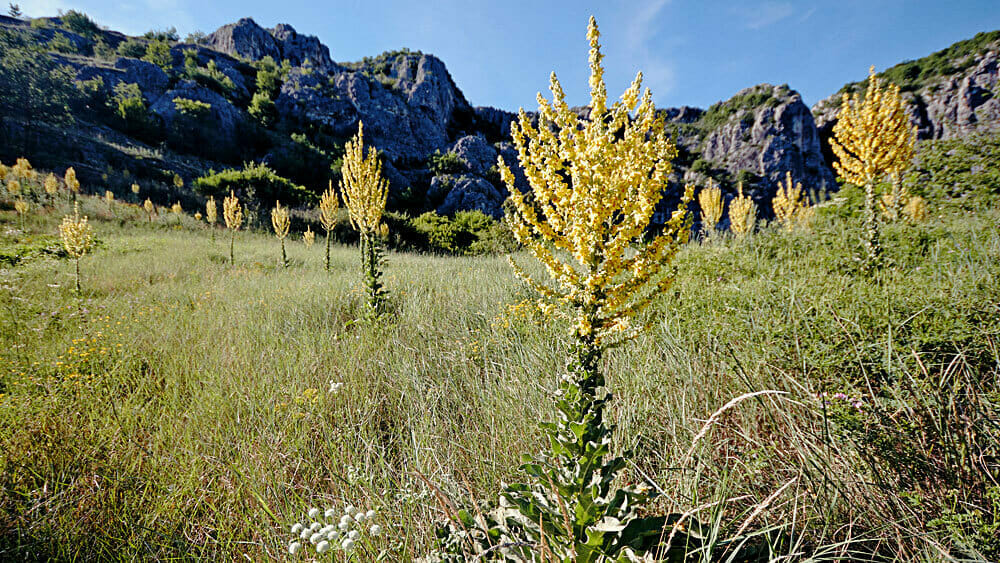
<point x="182" y="407"/>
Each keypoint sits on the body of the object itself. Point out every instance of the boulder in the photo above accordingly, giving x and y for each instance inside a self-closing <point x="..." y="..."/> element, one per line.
<point x="477" y="154"/>
<point x="464" y="192"/>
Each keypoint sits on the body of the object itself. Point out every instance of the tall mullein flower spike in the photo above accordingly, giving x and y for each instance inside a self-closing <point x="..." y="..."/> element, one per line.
<point x="594" y="186"/>
<point x="77" y="237"/>
<point x="232" y="212"/>
<point x="135" y="189"/>
<point x="71" y="182"/>
<point x="872" y="139"/>
<point x="365" y="192"/>
<point x="790" y="204"/>
<point x="109" y="196"/>
<point x="281" y="223"/>
<point x="211" y="211"/>
<point x="14" y="187"/>
<point x="710" y="201"/>
<point x="51" y="184"/>
<point x="308" y="237"/>
<point x="328" y="204"/>
<point x="742" y="213"/>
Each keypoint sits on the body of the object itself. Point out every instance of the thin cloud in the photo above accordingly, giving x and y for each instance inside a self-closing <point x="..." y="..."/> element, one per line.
<point x="658" y="72"/>
<point x="765" y="14"/>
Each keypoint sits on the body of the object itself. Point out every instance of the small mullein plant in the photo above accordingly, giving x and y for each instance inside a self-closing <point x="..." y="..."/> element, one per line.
<point x="329" y="531"/>
<point x="594" y="186"/>
<point x="365" y="192"/>
<point x="281" y="222"/>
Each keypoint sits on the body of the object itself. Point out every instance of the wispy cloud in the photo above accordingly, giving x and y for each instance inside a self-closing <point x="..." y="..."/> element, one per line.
<point x="764" y="14"/>
<point x="658" y="71"/>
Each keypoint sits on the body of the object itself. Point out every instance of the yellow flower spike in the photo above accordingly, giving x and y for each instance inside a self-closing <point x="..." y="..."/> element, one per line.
<point x="21" y="207"/>
<point x="109" y="196"/>
<point x="791" y="207"/>
<point x="77" y="238"/>
<point x="176" y="208"/>
<point x="51" y="184"/>
<point x="365" y="191"/>
<point x="280" y="221"/>
<point x="71" y="182"/>
<point x="211" y="211"/>
<point x="710" y="201"/>
<point x="594" y="184"/>
<point x="232" y="212"/>
<point x="14" y="187"/>
<point x="308" y="237"/>
<point x="872" y="139"/>
<point x="742" y="213"/>
<point x="135" y="189"/>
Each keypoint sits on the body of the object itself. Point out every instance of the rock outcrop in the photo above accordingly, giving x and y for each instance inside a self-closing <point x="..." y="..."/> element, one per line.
<point x="949" y="94"/>
<point x="249" y="40"/>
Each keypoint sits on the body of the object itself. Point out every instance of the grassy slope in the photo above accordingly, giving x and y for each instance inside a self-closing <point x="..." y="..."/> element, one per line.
<point x="200" y="423"/>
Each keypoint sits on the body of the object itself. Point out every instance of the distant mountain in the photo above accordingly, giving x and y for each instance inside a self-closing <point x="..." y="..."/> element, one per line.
<point x="149" y="108"/>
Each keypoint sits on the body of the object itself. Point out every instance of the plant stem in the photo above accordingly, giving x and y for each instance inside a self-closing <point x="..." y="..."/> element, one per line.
<point x="871" y="243"/>
<point x="78" y="276"/>
<point x="232" y="242"/>
<point x="284" y="257"/>
<point x="328" y="251"/>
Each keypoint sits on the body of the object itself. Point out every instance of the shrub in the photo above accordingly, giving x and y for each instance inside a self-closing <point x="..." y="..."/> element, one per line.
<point x="192" y="108"/>
<point x="257" y="179"/>
<point x="132" y="48"/>
<point x="262" y="109"/>
<point x="61" y="43"/>
<point x="158" y="53"/>
<point x="130" y="107"/>
<point x="80" y="24"/>
<point x="166" y="35"/>
<point x="209" y="76"/>
<point x="447" y="163"/>
<point x="34" y="87"/>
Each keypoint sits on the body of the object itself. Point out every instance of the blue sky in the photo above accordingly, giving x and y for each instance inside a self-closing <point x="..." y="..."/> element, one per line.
<point x="691" y="52"/>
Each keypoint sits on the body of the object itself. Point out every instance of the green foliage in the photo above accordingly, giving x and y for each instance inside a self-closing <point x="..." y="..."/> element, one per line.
<point x="192" y="108"/>
<point x="270" y="75"/>
<point x="209" y="76"/>
<point x="964" y="172"/>
<point x="11" y="254"/>
<point x="447" y="163"/>
<point x="196" y="37"/>
<point x="34" y="87"/>
<point x="132" y="48"/>
<point x="158" y="53"/>
<point x="80" y="24"/>
<point x="130" y="107"/>
<point x="103" y="51"/>
<point x="298" y="158"/>
<point x="61" y="43"/>
<point x="720" y="112"/>
<point x="467" y="232"/>
<point x="258" y="179"/>
<point x="168" y="35"/>
<point x="262" y="109"/>
<point x="912" y="76"/>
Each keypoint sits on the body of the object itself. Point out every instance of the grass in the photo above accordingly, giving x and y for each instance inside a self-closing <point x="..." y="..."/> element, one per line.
<point x="180" y="408"/>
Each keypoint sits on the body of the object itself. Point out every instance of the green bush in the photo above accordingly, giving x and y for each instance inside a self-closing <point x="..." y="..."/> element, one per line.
<point x="80" y="24"/>
<point x="262" y="109"/>
<point x="33" y="86"/>
<point x="130" y="106"/>
<point x="192" y="108"/>
<point x="166" y="35"/>
<point x="270" y="75"/>
<point x="158" y="53"/>
<point x="132" y="48"/>
<point x="447" y="163"/>
<point x="209" y="76"/>
<point x="467" y="232"/>
<point x="257" y="179"/>
<point x="963" y="172"/>
<point x="61" y="44"/>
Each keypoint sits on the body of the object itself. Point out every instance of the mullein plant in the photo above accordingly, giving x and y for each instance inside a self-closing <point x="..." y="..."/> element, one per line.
<point x="149" y="208"/>
<point x="281" y="222"/>
<point x="872" y="139"/>
<point x="328" y="205"/>
<point x="893" y="201"/>
<point x="365" y="193"/>
<point x="791" y="206"/>
<point x="22" y="208"/>
<point x="710" y="202"/>
<point x="232" y="212"/>
<point x="72" y="184"/>
<point x="109" y="198"/>
<point x="51" y="186"/>
<point x="77" y="238"/>
<point x="308" y="237"/>
<point x="135" y="191"/>
<point x="595" y="184"/>
<point x="211" y="214"/>
<point x="742" y="213"/>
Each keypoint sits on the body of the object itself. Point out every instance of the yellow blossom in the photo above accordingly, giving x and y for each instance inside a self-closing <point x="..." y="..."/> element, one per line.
<point x="232" y="212"/>
<point x="77" y="235"/>
<point x="14" y="187"/>
<point x="742" y="213"/>
<point x="791" y="207"/>
<point x="308" y="237"/>
<point x="595" y="184"/>
<point x="70" y="180"/>
<point x="365" y="191"/>
<point x="176" y="208"/>
<point x="51" y="184"/>
<point x="21" y="207"/>
<point x="328" y="205"/>
<point x="710" y="201"/>
<point x="109" y="196"/>
<point x="211" y="210"/>
<point x="280" y="220"/>
<point x="135" y="189"/>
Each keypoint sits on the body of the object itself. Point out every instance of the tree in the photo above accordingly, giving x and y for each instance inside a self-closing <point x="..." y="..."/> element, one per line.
<point x="34" y="87"/>
<point x="14" y="11"/>
<point x="872" y="139"/>
<point x="262" y="109"/>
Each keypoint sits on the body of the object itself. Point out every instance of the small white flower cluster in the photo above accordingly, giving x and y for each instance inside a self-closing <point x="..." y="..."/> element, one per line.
<point x="335" y="386"/>
<point x="330" y="530"/>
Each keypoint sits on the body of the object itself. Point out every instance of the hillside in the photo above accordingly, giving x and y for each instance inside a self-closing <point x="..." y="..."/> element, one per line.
<point x="279" y="97"/>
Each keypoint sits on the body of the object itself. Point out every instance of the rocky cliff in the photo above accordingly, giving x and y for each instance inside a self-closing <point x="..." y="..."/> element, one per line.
<point x="951" y="93"/>
<point x="245" y="92"/>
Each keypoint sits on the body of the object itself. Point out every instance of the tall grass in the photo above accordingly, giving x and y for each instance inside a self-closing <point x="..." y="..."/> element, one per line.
<point x="192" y="416"/>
